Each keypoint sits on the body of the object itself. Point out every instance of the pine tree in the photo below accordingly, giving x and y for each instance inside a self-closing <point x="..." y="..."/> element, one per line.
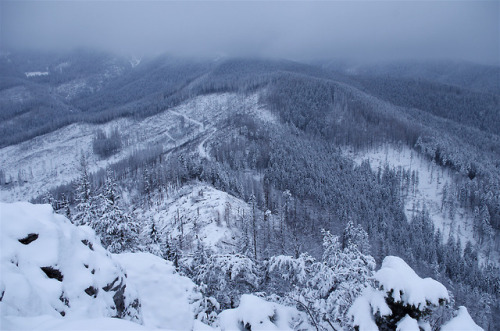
<point x="117" y="230"/>
<point x="86" y="206"/>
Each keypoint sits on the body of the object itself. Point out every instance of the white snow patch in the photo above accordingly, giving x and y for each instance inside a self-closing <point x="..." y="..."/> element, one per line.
<point x="36" y="73"/>
<point x="361" y="312"/>
<point x="135" y="61"/>
<point x="432" y="178"/>
<point x="62" y="66"/>
<point x="47" y="322"/>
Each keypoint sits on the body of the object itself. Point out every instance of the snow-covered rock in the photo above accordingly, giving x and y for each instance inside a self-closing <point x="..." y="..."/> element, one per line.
<point x="166" y="297"/>
<point x="255" y="313"/>
<point x="51" y="267"/>
<point x="461" y="322"/>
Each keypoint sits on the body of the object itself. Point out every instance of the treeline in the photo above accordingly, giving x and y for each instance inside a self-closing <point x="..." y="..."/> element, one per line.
<point x="475" y="109"/>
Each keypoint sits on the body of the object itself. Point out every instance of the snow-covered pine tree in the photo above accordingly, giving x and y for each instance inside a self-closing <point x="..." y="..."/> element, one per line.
<point x="351" y="271"/>
<point x="86" y="210"/>
<point x="117" y="230"/>
<point x="355" y="237"/>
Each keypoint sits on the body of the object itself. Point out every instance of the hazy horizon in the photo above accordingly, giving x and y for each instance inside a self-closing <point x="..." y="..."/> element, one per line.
<point x="360" y="31"/>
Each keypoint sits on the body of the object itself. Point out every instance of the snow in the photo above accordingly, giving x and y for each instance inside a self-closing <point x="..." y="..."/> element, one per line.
<point x="166" y="297"/>
<point x="406" y="286"/>
<point x="61" y="66"/>
<point x="429" y="191"/>
<point x="407" y="324"/>
<point x="361" y="312"/>
<point x="36" y="73"/>
<point x="257" y="314"/>
<point x="461" y="322"/>
<point x="47" y="322"/>
<point x="82" y="263"/>
<point x="135" y="61"/>
<point x="202" y="148"/>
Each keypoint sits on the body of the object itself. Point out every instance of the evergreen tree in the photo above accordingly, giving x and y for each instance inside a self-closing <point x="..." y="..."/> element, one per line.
<point x="86" y="211"/>
<point x="117" y="230"/>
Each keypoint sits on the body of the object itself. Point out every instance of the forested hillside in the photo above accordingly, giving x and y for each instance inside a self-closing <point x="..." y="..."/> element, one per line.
<point x="265" y="177"/>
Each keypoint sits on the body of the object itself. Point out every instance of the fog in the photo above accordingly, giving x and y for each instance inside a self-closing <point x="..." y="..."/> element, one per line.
<point x="368" y="31"/>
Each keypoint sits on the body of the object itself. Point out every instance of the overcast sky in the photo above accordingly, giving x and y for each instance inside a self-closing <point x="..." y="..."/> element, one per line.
<point x="364" y="30"/>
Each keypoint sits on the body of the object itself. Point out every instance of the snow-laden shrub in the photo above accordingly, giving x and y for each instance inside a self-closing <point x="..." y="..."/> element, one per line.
<point x="325" y="289"/>
<point x="50" y="266"/>
<point x="227" y="276"/>
<point x="284" y="273"/>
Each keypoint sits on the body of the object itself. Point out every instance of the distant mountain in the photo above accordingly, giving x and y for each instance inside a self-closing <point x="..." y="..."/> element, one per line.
<point x="468" y="75"/>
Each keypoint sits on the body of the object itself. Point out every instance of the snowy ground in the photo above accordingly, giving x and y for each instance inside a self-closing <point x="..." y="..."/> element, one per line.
<point x="52" y="159"/>
<point x="429" y="192"/>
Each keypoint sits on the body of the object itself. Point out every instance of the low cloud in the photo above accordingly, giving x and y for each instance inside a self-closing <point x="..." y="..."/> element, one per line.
<point x="365" y="30"/>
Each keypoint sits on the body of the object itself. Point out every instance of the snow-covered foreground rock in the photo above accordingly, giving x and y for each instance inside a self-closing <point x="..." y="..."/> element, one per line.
<point x="51" y="267"/>
<point x="166" y="297"/>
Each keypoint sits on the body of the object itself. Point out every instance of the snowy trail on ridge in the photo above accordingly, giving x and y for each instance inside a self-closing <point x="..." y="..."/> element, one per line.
<point x="202" y="150"/>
